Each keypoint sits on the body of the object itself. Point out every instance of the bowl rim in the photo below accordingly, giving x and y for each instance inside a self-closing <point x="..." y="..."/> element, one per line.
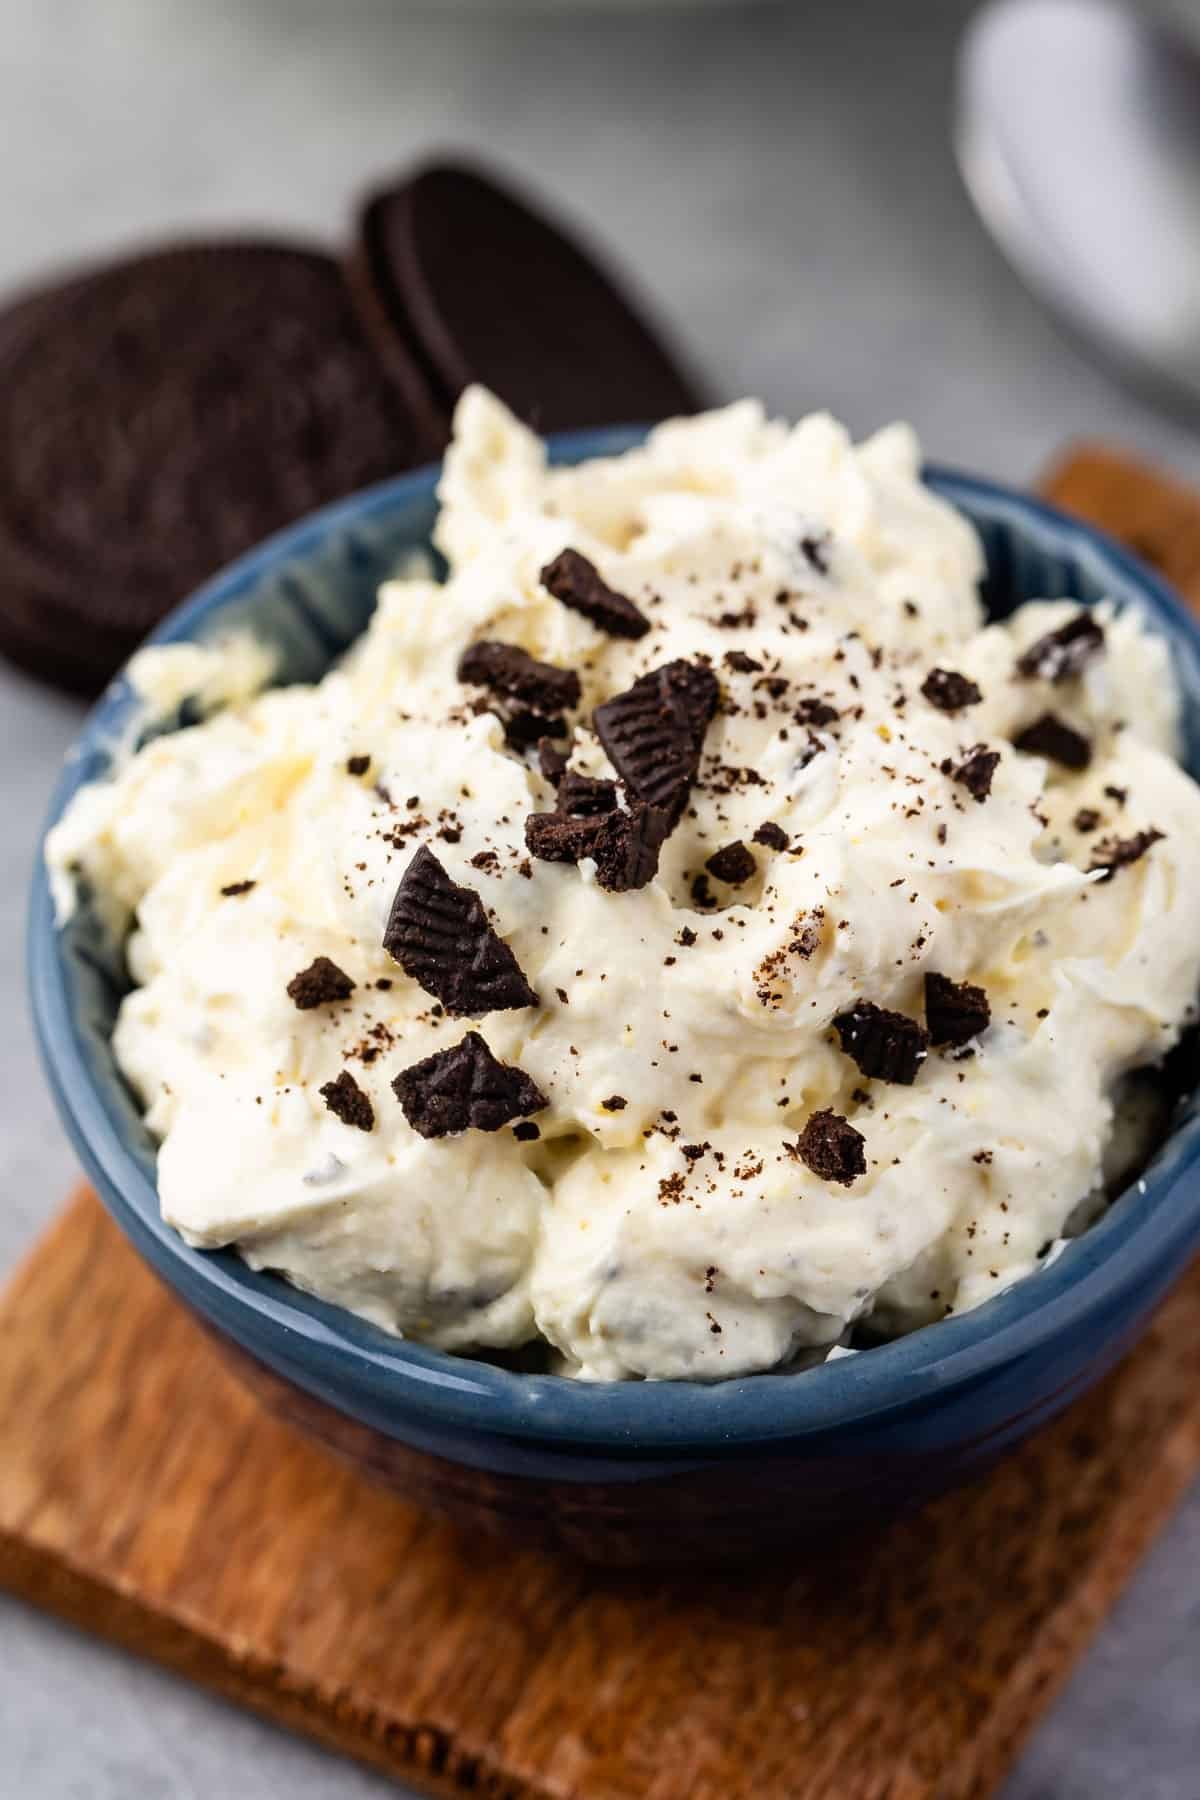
<point x="340" y="1356"/>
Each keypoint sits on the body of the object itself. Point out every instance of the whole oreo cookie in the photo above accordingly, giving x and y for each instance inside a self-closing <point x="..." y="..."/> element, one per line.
<point x="465" y="278"/>
<point x="160" y="415"/>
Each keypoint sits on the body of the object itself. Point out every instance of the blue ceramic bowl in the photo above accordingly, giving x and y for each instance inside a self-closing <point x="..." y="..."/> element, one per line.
<point x="632" y="1471"/>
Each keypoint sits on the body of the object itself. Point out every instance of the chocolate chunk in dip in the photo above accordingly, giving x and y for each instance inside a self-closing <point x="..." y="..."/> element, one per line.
<point x="319" y="985"/>
<point x="831" y="1147"/>
<point x="440" y="935"/>
<point x="887" y="1046"/>
<point x="578" y="584"/>
<point x="465" y="1088"/>
<point x="653" y="733"/>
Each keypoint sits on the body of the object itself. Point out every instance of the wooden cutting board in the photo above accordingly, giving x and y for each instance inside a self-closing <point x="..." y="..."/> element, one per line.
<point x="146" y="1497"/>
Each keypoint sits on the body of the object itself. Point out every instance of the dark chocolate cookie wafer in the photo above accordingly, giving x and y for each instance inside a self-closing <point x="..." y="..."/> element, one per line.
<point x="160" y="415"/>
<point x="440" y="934"/>
<point x="465" y="1088"/>
<point x="887" y="1046"/>
<point x="653" y="733"/>
<point x="462" y="274"/>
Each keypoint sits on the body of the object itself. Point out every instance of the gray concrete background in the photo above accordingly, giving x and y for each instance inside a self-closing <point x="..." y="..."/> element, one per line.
<point x="780" y="179"/>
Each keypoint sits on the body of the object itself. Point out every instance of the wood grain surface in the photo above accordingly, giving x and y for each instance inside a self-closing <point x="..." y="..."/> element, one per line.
<point x="1153" y="513"/>
<point x="146" y="1497"/>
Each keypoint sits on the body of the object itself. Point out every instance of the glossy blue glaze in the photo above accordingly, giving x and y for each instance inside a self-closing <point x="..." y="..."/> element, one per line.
<point x="867" y="1431"/>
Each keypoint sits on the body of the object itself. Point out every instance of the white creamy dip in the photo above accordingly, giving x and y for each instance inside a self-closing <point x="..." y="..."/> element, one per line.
<point x="663" y="1222"/>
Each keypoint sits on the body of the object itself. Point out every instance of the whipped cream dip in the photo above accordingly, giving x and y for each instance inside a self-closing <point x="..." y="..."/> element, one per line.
<point x="810" y="998"/>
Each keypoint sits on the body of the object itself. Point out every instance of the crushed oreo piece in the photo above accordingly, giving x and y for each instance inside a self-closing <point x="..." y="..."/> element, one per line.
<point x="623" y="844"/>
<point x="357" y="765"/>
<point x="615" y="1103"/>
<point x="740" y="663"/>
<point x="347" y="1102"/>
<point x="233" y="888"/>
<point x="887" y="1046"/>
<point x="551" y="761"/>
<point x="772" y="835"/>
<point x="815" y="548"/>
<point x="465" y="1088"/>
<point x="733" y="864"/>
<point x="976" y="770"/>
<point x="949" y="691"/>
<point x="578" y="584"/>
<point x="702" y="894"/>
<point x="439" y="933"/>
<point x="523" y="728"/>
<point x="812" y="711"/>
<point x="1086" y="820"/>
<point x="955" y="1011"/>
<point x="507" y="670"/>
<point x="1113" y="853"/>
<point x="319" y="985"/>
<point x="831" y="1147"/>
<point x="583" y="797"/>
<point x="1053" y="738"/>
<point x="526" y="1132"/>
<point x="1063" y="653"/>
<point x="653" y="733"/>
<point x="626" y="845"/>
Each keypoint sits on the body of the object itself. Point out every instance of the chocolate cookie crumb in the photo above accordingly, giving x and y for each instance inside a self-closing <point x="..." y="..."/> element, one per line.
<point x="319" y="984"/>
<point x="525" y="1131"/>
<point x="1086" y="819"/>
<point x="733" y="864"/>
<point x="949" y="691"/>
<point x="831" y="1147"/>
<point x="976" y="770"/>
<point x="887" y="1046"/>
<point x="465" y="1088"/>
<point x="955" y="1011"/>
<point x="653" y="733"/>
<point x="812" y="711"/>
<point x="583" y="797"/>
<point x="439" y="933"/>
<point x="1063" y="653"/>
<point x="772" y="835"/>
<point x="578" y="584"/>
<point x="615" y="1103"/>
<point x="523" y="728"/>
<point x="815" y="548"/>
<point x="624" y="845"/>
<point x="702" y="894"/>
<point x="233" y="888"/>
<point x="740" y="663"/>
<point x="1052" y="737"/>
<point x="551" y="761"/>
<point x="357" y="765"/>
<point x="505" y="669"/>
<point x="347" y="1102"/>
<point x="1113" y="853"/>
